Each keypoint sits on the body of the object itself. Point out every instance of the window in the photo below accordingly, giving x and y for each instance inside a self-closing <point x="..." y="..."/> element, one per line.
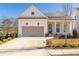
<point x="26" y="23"/>
<point x="50" y="28"/>
<point x="32" y="13"/>
<point x="38" y="23"/>
<point x="57" y="27"/>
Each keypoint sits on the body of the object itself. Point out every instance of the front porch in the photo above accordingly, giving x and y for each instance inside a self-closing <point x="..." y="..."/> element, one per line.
<point x="60" y="27"/>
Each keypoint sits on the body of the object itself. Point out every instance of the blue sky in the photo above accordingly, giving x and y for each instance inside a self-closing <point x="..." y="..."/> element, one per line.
<point x="15" y="9"/>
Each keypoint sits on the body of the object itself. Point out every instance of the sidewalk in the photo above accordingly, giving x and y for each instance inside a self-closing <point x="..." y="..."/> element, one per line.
<point x="63" y="52"/>
<point x="36" y="52"/>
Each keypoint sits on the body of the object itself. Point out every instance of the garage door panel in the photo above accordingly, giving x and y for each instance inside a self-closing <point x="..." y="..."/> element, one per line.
<point x="33" y="31"/>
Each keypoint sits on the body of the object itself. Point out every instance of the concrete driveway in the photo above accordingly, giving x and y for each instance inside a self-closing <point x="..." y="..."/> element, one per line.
<point x="25" y="46"/>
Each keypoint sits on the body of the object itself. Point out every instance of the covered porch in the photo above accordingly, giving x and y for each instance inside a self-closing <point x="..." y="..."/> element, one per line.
<point x="60" y="27"/>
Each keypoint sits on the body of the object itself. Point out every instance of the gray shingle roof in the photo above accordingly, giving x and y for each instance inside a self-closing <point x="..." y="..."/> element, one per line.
<point x="58" y="15"/>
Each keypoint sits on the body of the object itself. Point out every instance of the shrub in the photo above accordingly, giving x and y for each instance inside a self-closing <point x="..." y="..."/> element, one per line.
<point x="56" y="36"/>
<point x="5" y="40"/>
<point x="46" y="35"/>
<point x="1" y="42"/>
<point x="75" y="33"/>
<point x="69" y="36"/>
<point x="9" y="38"/>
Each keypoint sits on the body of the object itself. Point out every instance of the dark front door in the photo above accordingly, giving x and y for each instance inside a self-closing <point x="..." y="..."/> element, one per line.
<point x="50" y="28"/>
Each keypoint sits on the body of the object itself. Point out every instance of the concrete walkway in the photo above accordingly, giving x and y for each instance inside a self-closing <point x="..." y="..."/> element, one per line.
<point x="37" y="52"/>
<point x="63" y="51"/>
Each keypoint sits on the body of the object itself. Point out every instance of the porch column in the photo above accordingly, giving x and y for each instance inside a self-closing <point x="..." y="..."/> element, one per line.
<point x="62" y="27"/>
<point x="71" y="27"/>
<point x="55" y="27"/>
<point x="67" y="27"/>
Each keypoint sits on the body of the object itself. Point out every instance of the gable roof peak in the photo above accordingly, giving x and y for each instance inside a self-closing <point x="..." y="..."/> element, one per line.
<point x="32" y="6"/>
<point x="29" y="10"/>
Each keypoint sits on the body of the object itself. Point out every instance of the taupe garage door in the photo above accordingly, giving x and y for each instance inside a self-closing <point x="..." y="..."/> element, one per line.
<point x="32" y="31"/>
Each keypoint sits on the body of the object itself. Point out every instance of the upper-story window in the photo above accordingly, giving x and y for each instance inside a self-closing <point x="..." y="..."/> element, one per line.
<point x="32" y="13"/>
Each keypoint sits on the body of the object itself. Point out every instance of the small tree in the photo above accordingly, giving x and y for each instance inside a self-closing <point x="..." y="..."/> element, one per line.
<point x="6" y="25"/>
<point x="75" y="33"/>
<point x="15" y="26"/>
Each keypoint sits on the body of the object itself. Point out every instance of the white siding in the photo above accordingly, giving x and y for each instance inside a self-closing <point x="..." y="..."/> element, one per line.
<point x="33" y="22"/>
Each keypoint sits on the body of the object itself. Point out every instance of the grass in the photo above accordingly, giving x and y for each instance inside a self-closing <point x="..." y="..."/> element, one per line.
<point x="62" y="43"/>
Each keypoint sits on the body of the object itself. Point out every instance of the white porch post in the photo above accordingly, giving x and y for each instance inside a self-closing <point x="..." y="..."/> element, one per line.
<point x="62" y="27"/>
<point x="55" y="28"/>
<point x="70" y="27"/>
<point x="67" y="28"/>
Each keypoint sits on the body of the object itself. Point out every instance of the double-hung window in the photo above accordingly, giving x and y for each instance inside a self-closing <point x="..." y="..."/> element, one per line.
<point x="57" y="27"/>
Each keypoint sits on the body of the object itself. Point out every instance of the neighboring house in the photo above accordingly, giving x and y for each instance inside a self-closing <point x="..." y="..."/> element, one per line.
<point x="75" y="15"/>
<point x="32" y="22"/>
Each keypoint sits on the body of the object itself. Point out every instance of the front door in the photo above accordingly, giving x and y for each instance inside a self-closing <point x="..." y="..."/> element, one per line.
<point x="50" y="28"/>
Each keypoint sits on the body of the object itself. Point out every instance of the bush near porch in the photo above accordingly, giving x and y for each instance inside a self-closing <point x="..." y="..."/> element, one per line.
<point x="62" y="43"/>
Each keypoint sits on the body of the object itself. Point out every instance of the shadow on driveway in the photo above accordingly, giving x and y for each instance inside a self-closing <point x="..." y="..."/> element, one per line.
<point x="22" y="49"/>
